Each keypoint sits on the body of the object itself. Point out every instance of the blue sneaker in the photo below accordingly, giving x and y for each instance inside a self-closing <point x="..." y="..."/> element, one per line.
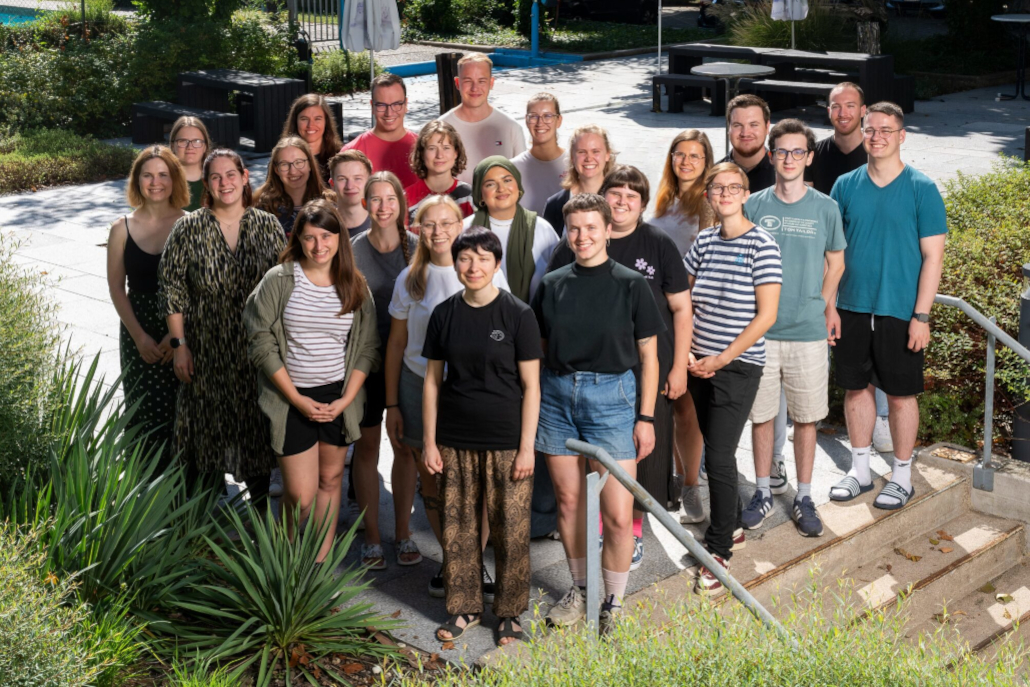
<point x="755" y="513"/>
<point x="806" y="518"/>
<point x="638" y="553"/>
<point x="600" y="541"/>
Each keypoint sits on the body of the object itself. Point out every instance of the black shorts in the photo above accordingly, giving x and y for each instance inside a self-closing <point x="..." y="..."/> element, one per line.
<point x="873" y="349"/>
<point x="302" y="433"/>
<point x="375" y="398"/>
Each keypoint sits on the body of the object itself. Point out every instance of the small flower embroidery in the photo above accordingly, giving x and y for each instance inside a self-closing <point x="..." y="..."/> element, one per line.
<point x="650" y="270"/>
<point x="641" y="264"/>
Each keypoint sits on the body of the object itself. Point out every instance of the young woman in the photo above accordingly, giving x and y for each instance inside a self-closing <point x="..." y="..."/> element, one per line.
<point x="479" y="433"/>
<point x="735" y="278"/>
<point x="350" y="171"/>
<point x="528" y="239"/>
<point x="681" y="210"/>
<point x="419" y="289"/>
<point x="312" y="119"/>
<point x="157" y="191"/>
<point x="437" y="159"/>
<point x="190" y="142"/>
<point x="382" y="253"/>
<point x="292" y="182"/>
<point x="598" y="321"/>
<point x="543" y="166"/>
<point x="590" y="159"/>
<point x="640" y="247"/>
<point x="312" y="331"/>
<point x="213" y="260"/>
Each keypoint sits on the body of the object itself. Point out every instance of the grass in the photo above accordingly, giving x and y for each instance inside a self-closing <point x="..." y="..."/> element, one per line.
<point x="33" y="160"/>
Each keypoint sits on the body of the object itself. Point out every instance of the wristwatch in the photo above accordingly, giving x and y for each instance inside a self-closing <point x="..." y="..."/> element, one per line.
<point x="922" y="316"/>
<point x="177" y="342"/>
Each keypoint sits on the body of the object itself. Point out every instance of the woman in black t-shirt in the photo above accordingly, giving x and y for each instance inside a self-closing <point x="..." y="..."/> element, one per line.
<point x="599" y="321"/>
<point x="478" y="432"/>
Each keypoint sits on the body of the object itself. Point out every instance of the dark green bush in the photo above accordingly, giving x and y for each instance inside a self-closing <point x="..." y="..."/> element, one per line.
<point x="51" y="157"/>
<point x="188" y="10"/>
<point x="969" y="23"/>
<point x="825" y="28"/>
<point x="433" y="16"/>
<point x="340" y="71"/>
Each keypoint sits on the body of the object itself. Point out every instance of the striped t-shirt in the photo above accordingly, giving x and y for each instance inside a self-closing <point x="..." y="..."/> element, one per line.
<point x="316" y="333"/>
<point x="726" y="272"/>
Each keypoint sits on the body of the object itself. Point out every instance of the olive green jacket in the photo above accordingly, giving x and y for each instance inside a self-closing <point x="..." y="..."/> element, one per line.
<point x="263" y="318"/>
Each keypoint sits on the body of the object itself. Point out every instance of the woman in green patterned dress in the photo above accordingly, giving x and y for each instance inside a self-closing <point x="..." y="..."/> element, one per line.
<point x="157" y="190"/>
<point x="214" y="258"/>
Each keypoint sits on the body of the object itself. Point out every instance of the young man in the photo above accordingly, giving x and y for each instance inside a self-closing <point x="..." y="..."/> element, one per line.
<point x="348" y="172"/>
<point x="807" y="227"/>
<point x="544" y="164"/>
<point x="389" y="144"/>
<point x="895" y="225"/>
<point x="748" y="119"/>
<point x="484" y="130"/>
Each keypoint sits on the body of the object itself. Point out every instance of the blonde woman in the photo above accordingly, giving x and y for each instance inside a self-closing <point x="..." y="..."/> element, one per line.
<point x="591" y="158"/>
<point x="191" y="143"/>
<point x="293" y="181"/>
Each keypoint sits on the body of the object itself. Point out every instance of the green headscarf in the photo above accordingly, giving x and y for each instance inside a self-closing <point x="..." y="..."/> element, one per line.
<point x="518" y="254"/>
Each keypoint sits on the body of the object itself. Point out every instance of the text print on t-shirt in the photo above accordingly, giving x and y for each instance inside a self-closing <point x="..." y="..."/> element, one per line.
<point x="800" y="227"/>
<point x="644" y="268"/>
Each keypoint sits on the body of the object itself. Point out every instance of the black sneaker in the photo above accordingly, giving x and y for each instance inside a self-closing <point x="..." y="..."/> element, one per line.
<point x="609" y="616"/>
<point x="436" y="588"/>
<point x="489" y="587"/>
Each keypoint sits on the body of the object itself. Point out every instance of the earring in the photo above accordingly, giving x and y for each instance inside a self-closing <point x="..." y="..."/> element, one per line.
<point x="608" y="243"/>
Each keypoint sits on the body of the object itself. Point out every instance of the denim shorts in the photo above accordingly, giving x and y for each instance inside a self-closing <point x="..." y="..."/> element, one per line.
<point x="409" y="398"/>
<point x="594" y="407"/>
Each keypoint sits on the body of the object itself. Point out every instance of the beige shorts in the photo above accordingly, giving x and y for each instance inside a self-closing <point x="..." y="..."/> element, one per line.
<point x="800" y="368"/>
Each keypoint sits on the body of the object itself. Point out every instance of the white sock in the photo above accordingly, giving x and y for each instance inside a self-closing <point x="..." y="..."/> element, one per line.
<point x="860" y="465"/>
<point x="762" y="483"/>
<point x="803" y="490"/>
<point x="615" y="585"/>
<point x="578" y="568"/>
<point x="902" y="475"/>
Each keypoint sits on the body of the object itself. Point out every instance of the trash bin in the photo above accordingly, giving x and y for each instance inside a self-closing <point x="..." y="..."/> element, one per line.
<point x="446" y="70"/>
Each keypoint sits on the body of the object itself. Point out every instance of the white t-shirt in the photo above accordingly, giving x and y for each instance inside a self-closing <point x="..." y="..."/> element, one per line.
<point x="441" y="283"/>
<point x="545" y="238"/>
<point x="540" y="180"/>
<point x="498" y="134"/>
<point x="682" y="229"/>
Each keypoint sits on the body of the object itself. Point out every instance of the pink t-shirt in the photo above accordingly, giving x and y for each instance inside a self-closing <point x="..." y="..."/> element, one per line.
<point x="387" y="156"/>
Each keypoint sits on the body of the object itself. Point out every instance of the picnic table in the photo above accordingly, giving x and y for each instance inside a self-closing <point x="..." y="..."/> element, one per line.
<point x="263" y="101"/>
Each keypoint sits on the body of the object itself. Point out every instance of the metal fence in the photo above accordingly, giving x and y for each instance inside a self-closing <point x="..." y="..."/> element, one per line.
<point x="319" y="20"/>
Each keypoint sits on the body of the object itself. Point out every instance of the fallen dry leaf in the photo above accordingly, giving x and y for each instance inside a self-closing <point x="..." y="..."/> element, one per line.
<point x="910" y="556"/>
<point x="1003" y="598"/>
<point x="447" y="646"/>
<point x="987" y="588"/>
<point x="1006" y="615"/>
<point x="396" y="614"/>
<point x="946" y="549"/>
<point x="889" y="566"/>
<point x="941" y="618"/>
<point x="935" y="542"/>
<point x="351" y="668"/>
<point x="945" y="536"/>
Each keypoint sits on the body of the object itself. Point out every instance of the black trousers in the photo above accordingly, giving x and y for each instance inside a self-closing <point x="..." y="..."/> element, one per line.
<point x="723" y="403"/>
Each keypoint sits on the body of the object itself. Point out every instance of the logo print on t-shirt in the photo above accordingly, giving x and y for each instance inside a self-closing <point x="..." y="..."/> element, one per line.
<point x="497" y="335"/>
<point x="769" y="222"/>
<point x="648" y="270"/>
<point x="498" y="143"/>
<point x="740" y="259"/>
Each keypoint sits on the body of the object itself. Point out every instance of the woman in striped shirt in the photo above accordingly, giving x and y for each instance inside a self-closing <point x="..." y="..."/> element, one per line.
<point x="312" y="331"/>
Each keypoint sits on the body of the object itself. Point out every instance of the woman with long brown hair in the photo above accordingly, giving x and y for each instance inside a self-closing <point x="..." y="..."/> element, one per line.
<point x="293" y="181"/>
<point x="312" y="331"/>
<point x="312" y="119"/>
<point x="591" y="158"/>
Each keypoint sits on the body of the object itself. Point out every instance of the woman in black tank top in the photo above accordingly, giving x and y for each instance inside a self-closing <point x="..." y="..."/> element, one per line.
<point x="157" y="190"/>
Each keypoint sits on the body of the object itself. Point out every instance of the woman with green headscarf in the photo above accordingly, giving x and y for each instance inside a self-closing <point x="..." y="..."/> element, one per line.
<point x="528" y="240"/>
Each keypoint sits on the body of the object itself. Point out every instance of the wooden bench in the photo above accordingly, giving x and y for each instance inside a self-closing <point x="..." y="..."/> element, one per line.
<point x="789" y="91"/>
<point x="686" y="87"/>
<point x="149" y="119"/>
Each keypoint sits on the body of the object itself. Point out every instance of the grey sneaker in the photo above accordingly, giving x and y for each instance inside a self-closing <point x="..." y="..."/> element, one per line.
<point x="570" y="609"/>
<point x="778" y="483"/>
<point x="755" y="513"/>
<point x="693" y="508"/>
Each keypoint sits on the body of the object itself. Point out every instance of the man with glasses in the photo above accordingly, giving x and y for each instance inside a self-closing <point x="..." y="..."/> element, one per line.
<point x="484" y="130"/>
<point x="388" y="145"/>
<point x="806" y="225"/>
<point x="895" y="225"/>
<point x="748" y="117"/>
<point x="544" y="164"/>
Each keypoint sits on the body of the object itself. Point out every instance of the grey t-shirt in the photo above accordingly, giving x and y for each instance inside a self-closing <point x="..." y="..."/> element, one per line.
<point x="498" y="134"/>
<point x="681" y="228"/>
<point x="540" y="180"/>
<point x="380" y="270"/>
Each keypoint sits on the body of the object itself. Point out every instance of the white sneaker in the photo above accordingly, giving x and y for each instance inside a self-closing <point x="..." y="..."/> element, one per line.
<point x="570" y="609"/>
<point x="882" y="442"/>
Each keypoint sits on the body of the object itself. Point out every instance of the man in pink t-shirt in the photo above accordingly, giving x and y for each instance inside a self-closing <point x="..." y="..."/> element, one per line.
<point x="389" y="144"/>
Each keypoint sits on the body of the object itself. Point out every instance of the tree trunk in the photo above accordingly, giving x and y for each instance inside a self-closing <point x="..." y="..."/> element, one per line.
<point x="869" y="37"/>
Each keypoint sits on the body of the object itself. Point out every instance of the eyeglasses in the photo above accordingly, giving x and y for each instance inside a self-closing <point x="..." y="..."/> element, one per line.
<point x="395" y="107"/>
<point x="797" y="153"/>
<point x="719" y="189"/>
<point x="694" y="158"/>
<point x="284" y="167"/>
<point x="189" y="143"/>
<point x="429" y="227"/>
<point x="547" y="117"/>
<point x="884" y="132"/>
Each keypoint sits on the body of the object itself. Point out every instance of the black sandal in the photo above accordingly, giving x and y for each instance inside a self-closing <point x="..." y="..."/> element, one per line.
<point x="506" y="630"/>
<point x="471" y="620"/>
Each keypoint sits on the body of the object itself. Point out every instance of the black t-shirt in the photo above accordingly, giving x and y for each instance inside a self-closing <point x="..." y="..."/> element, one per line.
<point x="592" y="317"/>
<point x="759" y="177"/>
<point x="480" y="405"/>
<point x="364" y="226"/>
<point x="829" y="163"/>
<point x="553" y="210"/>
<point x="653" y="254"/>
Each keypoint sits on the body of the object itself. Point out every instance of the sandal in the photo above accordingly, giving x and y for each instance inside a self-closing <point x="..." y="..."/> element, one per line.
<point x="407" y="546"/>
<point x="471" y="620"/>
<point x="506" y="630"/>
<point x="851" y="489"/>
<point x="372" y="557"/>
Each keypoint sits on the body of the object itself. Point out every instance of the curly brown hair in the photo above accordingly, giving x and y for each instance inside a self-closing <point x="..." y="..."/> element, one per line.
<point x="436" y="127"/>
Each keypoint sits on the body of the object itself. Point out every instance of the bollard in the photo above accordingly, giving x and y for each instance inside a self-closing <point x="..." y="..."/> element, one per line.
<point x="1021" y="420"/>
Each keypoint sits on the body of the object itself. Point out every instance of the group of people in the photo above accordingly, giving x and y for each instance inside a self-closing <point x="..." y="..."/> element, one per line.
<point x="489" y="301"/>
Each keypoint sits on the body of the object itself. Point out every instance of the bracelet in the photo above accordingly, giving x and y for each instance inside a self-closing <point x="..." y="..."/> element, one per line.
<point x="395" y="405"/>
<point x="645" y="418"/>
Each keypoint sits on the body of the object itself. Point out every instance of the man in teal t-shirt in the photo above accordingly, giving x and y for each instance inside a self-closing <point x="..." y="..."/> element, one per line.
<point x="896" y="225"/>
<point x="807" y="227"/>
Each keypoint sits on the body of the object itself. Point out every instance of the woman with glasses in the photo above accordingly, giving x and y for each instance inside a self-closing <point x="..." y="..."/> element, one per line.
<point x="312" y="119"/>
<point x="437" y="159"/>
<point x="735" y="277"/>
<point x="543" y="166"/>
<point x="590" y="159"/>
<point x="190" y="142"/>
<point x="292" y="182"/>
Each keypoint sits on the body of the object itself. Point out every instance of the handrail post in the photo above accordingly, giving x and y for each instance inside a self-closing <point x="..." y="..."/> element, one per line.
<point x="1021" y="416"/>
<point x="594" y="484"/>
<point x="983" y="473"/>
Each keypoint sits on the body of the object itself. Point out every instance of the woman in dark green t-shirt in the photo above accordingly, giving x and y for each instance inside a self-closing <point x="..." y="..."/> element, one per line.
<point x="191" y="143"/>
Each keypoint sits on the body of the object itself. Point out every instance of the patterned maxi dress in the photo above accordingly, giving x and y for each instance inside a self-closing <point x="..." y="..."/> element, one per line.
<point x="219" y="427"/>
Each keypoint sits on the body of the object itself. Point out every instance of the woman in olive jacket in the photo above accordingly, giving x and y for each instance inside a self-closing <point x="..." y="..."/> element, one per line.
<point x="312" y="327"/>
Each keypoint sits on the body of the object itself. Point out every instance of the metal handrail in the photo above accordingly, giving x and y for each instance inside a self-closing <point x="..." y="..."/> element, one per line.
<point x="683" y="536"/>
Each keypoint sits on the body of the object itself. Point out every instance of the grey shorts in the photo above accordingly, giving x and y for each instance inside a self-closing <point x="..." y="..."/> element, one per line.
<point x="409" y="398"/>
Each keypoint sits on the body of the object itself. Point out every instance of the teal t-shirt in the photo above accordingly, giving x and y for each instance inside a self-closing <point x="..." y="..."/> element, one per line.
<point x="883" y="227"/>
<point x="804" y="231"/>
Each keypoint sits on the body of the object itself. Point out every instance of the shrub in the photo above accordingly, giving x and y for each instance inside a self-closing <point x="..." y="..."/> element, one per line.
<point x="188" y="10"/>
<point x="433" y="16"/>
<point x="969" y="23"/>
<point x="823" y="29"/>
<point x="341" y="71"/>
<point x="51" y="157"/>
